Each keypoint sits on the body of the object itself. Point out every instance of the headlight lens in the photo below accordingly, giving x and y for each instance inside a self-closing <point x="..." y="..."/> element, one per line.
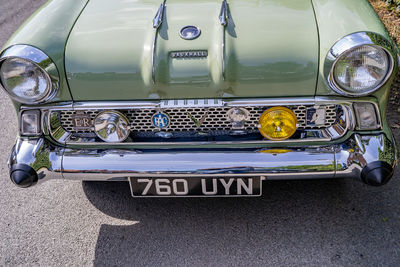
<point x="362" y="70"/>
<point x="24" y="80"/>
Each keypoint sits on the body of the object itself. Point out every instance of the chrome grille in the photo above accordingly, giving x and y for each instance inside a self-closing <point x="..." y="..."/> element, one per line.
<point x="216" y="122"/>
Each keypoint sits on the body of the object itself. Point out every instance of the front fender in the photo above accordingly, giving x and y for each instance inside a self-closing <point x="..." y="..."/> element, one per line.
<point x="48" y="29"/>
<point x="337" y="19"/>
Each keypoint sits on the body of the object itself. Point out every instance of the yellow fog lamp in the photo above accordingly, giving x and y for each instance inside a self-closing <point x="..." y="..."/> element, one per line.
<point x="278" y="123"/>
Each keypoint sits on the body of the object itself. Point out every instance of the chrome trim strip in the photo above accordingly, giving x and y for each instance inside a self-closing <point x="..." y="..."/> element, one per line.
<point x="223" y="15"/>
<point x="42" y="60"/>
<point x="223" y="18"/>
<point x="198" y="103"/>
<point x="345" y="160"/>
<point x="157" y="21"/>
<point x="351" y="42"/>
<point x="223" y="54"/>
<point x="334" y="132"/>
<point x="209" y="103"/>
<point x="114" y="105"/>
<point x="88" y="142"/>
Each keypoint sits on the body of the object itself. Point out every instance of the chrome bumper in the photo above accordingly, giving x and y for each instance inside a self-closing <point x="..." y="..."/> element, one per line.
<point x="345" y="160"/>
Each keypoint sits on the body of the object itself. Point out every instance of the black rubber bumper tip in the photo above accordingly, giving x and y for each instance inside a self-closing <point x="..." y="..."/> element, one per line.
<point x="23" y="175"/>
<point x="377" y="173"/>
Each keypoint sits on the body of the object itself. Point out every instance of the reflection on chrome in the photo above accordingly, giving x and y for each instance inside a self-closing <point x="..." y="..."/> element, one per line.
<point x="344" y="124"/>
<point x="362" y="150"/>
<point x="345" y="160"/>
<point x="111" y="126"/>
<point x="44" y="158"/>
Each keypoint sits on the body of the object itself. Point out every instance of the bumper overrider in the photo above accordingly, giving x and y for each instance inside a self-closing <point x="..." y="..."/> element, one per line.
<point x="370" y="158"/>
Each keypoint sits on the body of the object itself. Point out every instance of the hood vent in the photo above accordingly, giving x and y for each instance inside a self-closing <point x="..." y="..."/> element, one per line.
<point x="158" y="20"/>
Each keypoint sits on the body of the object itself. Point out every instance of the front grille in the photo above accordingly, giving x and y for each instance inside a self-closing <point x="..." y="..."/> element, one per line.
<point x="216" y="122"/>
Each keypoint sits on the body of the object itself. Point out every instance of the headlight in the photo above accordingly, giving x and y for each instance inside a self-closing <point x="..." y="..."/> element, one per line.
<point x="359" y="64"/>
<point x="28" y="75"/>
<point x="361" y="70"/>
<point x="24" y="80"/>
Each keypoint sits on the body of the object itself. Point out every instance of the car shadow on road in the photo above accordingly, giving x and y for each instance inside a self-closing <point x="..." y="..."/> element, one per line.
<point x="293" y="218"/>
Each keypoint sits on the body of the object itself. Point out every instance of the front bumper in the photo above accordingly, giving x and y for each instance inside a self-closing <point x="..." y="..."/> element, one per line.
<point x="349" y="159"/>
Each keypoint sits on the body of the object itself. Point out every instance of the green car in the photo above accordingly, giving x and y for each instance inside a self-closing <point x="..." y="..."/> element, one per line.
<point x="201" y="98"/>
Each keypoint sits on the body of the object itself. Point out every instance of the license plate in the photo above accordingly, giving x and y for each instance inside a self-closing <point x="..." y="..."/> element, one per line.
<point x="196" y="187"/>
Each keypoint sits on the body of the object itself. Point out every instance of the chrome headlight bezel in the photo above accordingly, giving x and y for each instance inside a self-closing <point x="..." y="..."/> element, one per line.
<point x="40" y="60"/>
<point x="350" y="43"/>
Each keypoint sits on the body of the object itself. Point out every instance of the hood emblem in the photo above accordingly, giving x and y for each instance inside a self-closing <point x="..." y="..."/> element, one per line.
<point x="189" y="54"/>
<point x="190" y="32"/>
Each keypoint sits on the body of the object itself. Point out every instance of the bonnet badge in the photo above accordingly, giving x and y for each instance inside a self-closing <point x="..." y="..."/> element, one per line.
<point x="190" y="32"/>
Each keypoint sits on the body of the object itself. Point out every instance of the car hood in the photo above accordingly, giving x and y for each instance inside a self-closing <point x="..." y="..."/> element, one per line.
<point x="268" y="49"/>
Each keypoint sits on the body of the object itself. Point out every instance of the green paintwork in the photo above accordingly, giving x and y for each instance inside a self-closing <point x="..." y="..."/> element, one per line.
<point x="274" y="48"/>
<point x="271" y="47"/>
<point x="109" y="52"/>
<point x="339" y="18"/>
<point x="48" y="29"/>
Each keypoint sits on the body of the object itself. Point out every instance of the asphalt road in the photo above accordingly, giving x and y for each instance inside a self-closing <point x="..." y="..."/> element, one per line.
<point x="295" y="223"/>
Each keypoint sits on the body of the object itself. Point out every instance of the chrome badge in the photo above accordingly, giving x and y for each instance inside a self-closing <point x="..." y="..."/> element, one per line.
<point x="190" y="32"/>
<point x="189" y="54"/>
<point x="82" y="121"/>
<point x="198" y="123"/>
<point x="160" y="120"/>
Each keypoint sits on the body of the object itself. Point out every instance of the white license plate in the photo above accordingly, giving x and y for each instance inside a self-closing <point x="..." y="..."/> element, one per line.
<point x="196" y="187"/>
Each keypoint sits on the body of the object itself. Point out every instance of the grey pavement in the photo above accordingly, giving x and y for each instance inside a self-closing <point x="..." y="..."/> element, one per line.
<point x="308" y="223"/>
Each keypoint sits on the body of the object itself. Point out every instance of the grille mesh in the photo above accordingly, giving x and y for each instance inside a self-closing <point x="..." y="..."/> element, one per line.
<point x="216" y="121"/>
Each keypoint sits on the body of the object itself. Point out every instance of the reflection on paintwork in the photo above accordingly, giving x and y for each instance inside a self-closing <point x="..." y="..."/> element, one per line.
<point x="253" y="57"/>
